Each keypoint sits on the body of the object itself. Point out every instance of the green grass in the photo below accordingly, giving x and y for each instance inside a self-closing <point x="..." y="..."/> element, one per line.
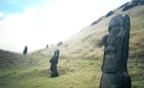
<point x="137" y="73"/>
<point x="74" y="73"/>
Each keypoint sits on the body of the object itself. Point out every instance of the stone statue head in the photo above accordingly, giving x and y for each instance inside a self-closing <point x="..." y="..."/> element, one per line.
<point x="116" y="47"/>
<point x="118" y="24"/>
<point x="56" y="51"/>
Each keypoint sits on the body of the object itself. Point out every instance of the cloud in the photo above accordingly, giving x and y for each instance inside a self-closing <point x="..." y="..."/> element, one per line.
<point x="50" y="22"/>
<point x="1" y="14"/>
<point x="31" y="29"/>
<point x="19" y="30"/>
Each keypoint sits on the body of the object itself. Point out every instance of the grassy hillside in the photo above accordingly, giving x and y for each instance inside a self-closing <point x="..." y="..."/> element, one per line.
<point x="80" y="59"/>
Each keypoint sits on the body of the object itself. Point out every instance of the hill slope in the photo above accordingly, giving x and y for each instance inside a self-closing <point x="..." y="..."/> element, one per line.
<point x="80" y="58"/>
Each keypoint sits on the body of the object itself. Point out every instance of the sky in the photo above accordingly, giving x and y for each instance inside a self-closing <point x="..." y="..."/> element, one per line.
<point x="36" y="23"/>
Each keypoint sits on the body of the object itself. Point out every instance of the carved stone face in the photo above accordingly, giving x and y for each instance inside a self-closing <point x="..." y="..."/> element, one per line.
<point x="110" y="49"/>
<point x="114" y="65"/>
<point x="118" y="34"/>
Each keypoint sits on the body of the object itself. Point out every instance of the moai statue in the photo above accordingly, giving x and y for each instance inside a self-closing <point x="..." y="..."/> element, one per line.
<point x="114" y="67"/>
<point x="25" y="50"/>
<point x="54" y="62"/>
<point x="47" y="46"/>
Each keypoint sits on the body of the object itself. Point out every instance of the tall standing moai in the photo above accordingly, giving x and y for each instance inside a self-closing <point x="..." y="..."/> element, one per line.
<point x="54" y="62"/>
<point x="114" y="67"/>
<point x="25" y="50"/>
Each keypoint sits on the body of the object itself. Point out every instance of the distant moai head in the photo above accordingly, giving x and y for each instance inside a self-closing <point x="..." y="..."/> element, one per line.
<point x="47" y="46"/>
<point x="25" y="50"/>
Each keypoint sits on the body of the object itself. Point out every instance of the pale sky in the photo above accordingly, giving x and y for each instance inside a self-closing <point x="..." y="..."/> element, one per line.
<point x="36" y="23"/>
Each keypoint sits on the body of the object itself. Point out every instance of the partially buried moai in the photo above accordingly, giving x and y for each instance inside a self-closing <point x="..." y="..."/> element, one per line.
<point x="114" y="67"/>
<point x="54" y="62"/>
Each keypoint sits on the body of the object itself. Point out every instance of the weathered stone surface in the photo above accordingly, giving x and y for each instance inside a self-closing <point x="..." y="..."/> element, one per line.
<point x="54" y="62"/>
<point x="115" y="80"/>
<point x="114" y="67"/>
<point x="25" y="50"/>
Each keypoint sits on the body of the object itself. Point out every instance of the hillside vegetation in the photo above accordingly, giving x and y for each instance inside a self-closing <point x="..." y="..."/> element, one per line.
<point x="80" y="59"/>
